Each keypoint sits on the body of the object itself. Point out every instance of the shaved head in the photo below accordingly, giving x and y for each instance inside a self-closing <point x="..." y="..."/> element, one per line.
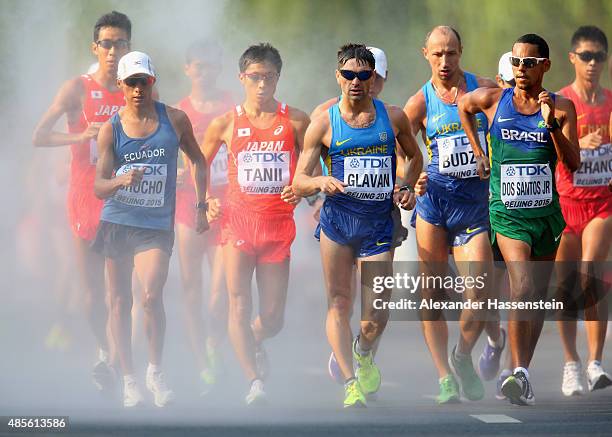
<point x="443" y="31"/>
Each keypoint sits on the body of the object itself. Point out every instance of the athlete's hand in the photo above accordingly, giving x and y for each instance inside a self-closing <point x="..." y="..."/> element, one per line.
<point x="547" y="106"/>
<point x="288" y="196"/>
<point x="483" y="167"/>
<point x="201" y="221"/>
<point x="131" y="178"/>
<point x="329" y="185"/>
<point x="420" y="188"/>
<point x="180" y="176"/>
<point x="404" y="199"/>
<point x="592" y="140"/>
<point x="214" y="209"/>
<point x="91" y="132"/>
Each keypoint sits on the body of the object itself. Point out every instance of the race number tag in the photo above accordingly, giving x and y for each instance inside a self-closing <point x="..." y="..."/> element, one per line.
<point x="369" y="177"/>
<point x="93" y="151"/>
<point x="263" y="172"/>
<point x="595" y="167"/>
<point x="526" y="185"/>
<point x="456" y="157"/>
<point x="150" y="192"/>
<point x="218" y="167"/>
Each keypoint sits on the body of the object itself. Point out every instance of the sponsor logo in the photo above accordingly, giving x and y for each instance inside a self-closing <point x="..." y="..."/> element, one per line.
<point x="278" y="130"/>
<point x="437" y="117"/>
<point x="558" y="236"/>
<point x="339" y="143"/>
<point x="501" y="120"/>
<point x="384" y="243"/>
<point x="472" y="230"/>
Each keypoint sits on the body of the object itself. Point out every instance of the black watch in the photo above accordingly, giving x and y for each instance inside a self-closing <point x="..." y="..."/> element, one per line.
<point x="202" y="205"/>
<point x="554" y="126"/>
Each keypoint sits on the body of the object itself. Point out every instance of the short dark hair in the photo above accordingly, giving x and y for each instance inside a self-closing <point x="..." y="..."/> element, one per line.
<point x="203" y="49"/>
<point x="536" y="40"/>
<point x="359" y="52"/>
<point x="452" y="29"/>
<point x="589" y="33"/>
<point x="258" y="53"/>
<point x="113" y="19"/>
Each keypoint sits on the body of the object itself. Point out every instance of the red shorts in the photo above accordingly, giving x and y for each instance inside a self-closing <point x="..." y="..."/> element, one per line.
<point x="578" y="213"/>
<point x="185" y="215"/>
<point x="267" y="237"/>
<point x="84" y="210"/>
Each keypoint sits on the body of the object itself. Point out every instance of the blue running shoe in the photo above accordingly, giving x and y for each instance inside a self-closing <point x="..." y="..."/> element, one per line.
<point x="334" y="369"/>
<point x="504" y="374"/>
<point x="488" y="364"/>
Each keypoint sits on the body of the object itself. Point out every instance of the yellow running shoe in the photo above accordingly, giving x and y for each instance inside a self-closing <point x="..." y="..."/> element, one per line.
<point x="367" y="373"/>
<point x="353" y="396"/>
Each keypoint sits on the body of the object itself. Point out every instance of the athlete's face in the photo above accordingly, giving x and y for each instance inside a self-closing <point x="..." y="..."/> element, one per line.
<point x="259" y="82"/>
<point x="202" y="72"/>
<point x="443" y="52"/>
<point x="112" y="44"/>
<point x="588" y="69"/>
<point x="528" y="78"/>
<point x="137" y="89"/>
<point x="377" y="86"/>
<point x="355" y="89"/>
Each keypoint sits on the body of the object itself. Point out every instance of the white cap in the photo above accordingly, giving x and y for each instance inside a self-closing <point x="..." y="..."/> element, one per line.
<point x="504" y="68"/>
<point x="135" y="63"/>
<point x="381" y="61"/>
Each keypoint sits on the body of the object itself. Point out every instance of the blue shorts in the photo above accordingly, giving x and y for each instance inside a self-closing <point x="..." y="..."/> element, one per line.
<point x="461" y="219"/>
<point x="366" y="237"/>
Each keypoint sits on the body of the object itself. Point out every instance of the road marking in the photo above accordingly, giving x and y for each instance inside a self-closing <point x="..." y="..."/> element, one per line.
<point x="495" y="418"/>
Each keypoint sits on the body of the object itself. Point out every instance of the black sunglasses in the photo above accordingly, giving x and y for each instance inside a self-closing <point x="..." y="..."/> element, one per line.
<point x="141" y="81"/>
<point x="109" y="43"/>
<point x="361" y="75"/>
<point x="528" y="62"/>
<point x="587" y="56"/>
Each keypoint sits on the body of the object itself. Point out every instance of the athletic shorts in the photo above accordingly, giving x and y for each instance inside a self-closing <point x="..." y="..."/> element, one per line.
<point x="185" y="215"/>
<point x="578" y="213"/>
<point x="366" y="237"/>
<point x="267" y="237"/>
<point x="543" y="234"/>
<point x="461" y="219"/>
<point x="400" y="233"/>
<point x="84" y="210"/>
<point x="116" y="241"/>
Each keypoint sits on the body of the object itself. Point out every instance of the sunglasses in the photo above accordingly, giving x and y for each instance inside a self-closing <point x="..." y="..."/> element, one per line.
<point x="528" y="62"/>
<point x="256" y="77"/>
<point x="361" y="75"/>
<point x="141" y="81"/>
<point x="109" y="43"/>
<point x="587" y="56"/>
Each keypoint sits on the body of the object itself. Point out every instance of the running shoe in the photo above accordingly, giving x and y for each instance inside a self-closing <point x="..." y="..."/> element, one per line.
<point x="488" y="364"/>
<point x="449" y="390"/>
<point x="471" y="385"/>
<point x="215" y="364"/>
<point x="262" y="363"/>
<point x="132" y="397"/>
<point x="156" y="384"/>
<point x="571" y="386"/>
<point x="353" y="395"/>
<point x="207" y="381"/>
<point x="500" y="380"/>
<point x="334" y="369"/>
<point x="256" y="395"/>
<point x="518" y="390"/>
<point x="104" y="377"/>
<point x="597" y="378"/>
<point x="367" y="373"/>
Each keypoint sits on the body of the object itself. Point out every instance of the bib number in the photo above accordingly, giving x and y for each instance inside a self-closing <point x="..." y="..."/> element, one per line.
<point x="263" y="172"/>
<point x="369" y="178"/>
<point x="456" y="157"/>
<point x="526" y="185"/>
<point x="150" y="192"/>
<point x="595" y="167"/>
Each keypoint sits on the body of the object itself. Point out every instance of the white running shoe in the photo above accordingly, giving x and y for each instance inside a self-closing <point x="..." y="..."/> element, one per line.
<point x="132" y="397"/>
<point x="597" y="377"/>
<point x="256" y="395"/>
<point x="157" y="385"/>
<point x="572" y="385"/>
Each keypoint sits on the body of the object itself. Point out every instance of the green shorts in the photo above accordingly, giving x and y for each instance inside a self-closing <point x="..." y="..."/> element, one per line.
<point x="543" y="234"/>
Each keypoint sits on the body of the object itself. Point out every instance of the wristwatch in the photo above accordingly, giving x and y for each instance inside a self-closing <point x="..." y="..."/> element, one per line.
<point x="202" y="205"/>
<point x="555" y="125"/>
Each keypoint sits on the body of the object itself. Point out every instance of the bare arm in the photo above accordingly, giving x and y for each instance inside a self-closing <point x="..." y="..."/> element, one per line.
<point x="300" y="122"/>
<point x="214" y="136"/>
<point x="566" y="138"/>
<point x="416" y="111"/>
<point x="408" y="145"/>
<point x="67" y="101"/>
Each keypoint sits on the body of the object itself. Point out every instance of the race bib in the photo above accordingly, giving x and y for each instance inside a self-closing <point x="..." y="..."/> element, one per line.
<point x="218" y="168"/>
<point x="526" y="185"/>
<point x="263" y="172"/>
<point x="93" y="151"/>
<point x="456" y="157"/>
<point x="595" y="167"/>
<point x="369" y="177"/>
<point x="150" y="192"/>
